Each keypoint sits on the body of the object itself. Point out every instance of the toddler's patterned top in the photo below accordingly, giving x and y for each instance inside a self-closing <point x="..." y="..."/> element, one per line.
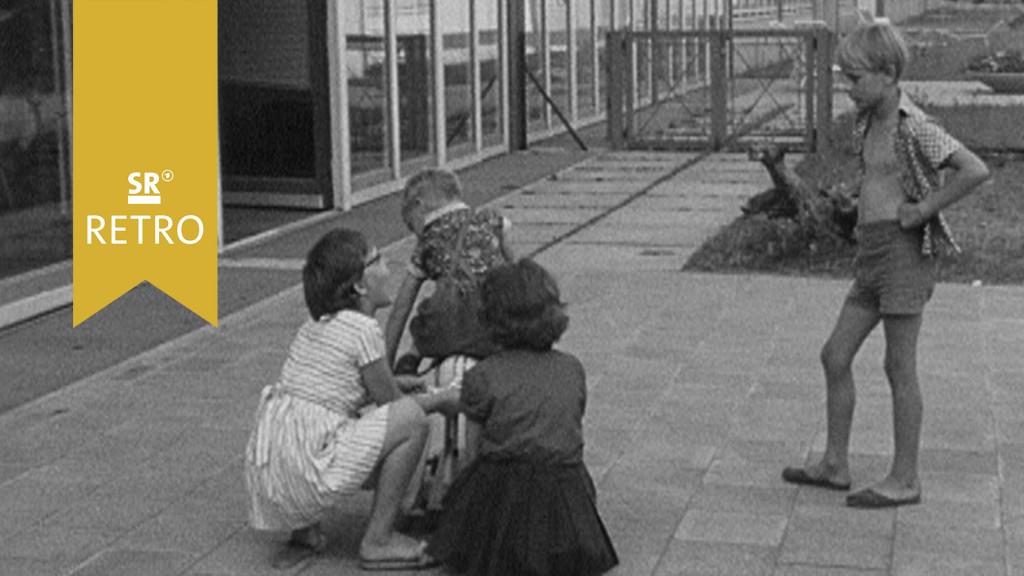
<point x="481" y="242"/>
<point x="922" y="147"/>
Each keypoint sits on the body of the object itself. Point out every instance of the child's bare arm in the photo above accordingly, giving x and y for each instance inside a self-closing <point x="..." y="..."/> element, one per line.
<point x="969" y="172"/>
<point x="506" y="249"/>
<point x="384" y="387"/>
<point x="400" y="311"/>
<point x="379" y="382"/>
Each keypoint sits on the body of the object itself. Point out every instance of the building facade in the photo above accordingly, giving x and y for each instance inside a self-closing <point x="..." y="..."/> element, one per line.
<point x="325" y="104"/>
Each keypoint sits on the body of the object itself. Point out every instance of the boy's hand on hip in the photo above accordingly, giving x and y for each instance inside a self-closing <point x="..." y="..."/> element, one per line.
<point x="911" y="215"/>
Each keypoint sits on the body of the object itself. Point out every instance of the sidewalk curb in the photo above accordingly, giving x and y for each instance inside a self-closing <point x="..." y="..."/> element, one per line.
<point x="29" y="307"/>
<point x="32" y="306"/>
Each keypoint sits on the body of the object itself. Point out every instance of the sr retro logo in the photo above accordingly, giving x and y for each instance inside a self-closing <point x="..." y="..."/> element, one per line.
<point x="144" y="228"/>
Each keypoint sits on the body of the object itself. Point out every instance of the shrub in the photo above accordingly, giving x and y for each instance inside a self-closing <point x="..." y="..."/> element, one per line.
<point x="1011" y="61"/>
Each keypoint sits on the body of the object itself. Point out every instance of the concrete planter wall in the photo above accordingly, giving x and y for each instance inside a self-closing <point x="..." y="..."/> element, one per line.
<point x="973" y="113"/>
<point x="1000" y="82"/>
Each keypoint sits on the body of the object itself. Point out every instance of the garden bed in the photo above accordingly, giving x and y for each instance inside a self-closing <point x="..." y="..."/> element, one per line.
<point x="988" y="225"/>
<point x="972" y="112"/>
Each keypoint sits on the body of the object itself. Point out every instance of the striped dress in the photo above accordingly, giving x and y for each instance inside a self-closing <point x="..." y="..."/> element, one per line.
<point x="312" y="443"/>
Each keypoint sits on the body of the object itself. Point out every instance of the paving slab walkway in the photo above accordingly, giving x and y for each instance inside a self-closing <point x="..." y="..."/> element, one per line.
<point x="702" y="387"/>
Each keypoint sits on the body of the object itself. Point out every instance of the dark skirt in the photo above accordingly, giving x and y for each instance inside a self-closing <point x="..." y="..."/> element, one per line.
<point x="519" y="518"/>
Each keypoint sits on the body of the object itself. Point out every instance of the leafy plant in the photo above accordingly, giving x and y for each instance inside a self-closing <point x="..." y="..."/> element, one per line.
<point x="1009" y="61"/>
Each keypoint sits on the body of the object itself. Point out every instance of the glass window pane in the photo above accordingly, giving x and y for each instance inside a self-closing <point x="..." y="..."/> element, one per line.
<point x="415" y="78"/>
<point x="584" y="60"/>
<point x="623" y="13"/>
<point x="662" y="50"/>
<point x="558" y="42"/>
<point x="604" y="11"/>
<point x="265" y="90"/>
<point x="35" y="189"/>
<point x="641" y="14"/>
<point x="643" y="50"/>
<point x="535" y="62"/>
<point x="366" y="65"/>
<point x="490" y="71"/>
<point x="676" y="50"/>
<point x="458" y="95"/>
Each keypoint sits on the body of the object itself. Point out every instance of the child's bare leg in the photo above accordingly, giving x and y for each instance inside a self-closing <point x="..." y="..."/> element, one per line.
<point x="403" y="444"/>
<point x="851" y="329"/>
<point x="901" y="334"/>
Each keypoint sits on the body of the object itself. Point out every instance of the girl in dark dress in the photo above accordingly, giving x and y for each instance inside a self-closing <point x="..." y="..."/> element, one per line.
<point x="525" y="503"/>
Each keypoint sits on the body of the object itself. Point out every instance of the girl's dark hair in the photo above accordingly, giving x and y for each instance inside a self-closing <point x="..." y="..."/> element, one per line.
<point x="333" y="267"/>
<point x="521" y="306"/>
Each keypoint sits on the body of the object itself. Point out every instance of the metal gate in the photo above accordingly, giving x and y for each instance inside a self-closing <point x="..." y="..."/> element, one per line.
<point x="720" y="88"/>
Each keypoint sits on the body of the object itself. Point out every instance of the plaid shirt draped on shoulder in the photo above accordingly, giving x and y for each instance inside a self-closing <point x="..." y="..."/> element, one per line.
<point x="922" y="147"/>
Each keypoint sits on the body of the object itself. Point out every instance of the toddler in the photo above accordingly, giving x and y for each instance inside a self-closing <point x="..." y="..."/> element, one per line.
<point x="445" y="228"/>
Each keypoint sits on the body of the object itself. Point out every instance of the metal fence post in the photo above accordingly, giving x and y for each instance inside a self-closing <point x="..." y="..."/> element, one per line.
<point x="616" y="84"/>
<point x="811" y="58"/>
<point x="632" y="94"/>
<point x="719" y="120"/>
<point x="518" y="119"/>
<point x="823" y="44"/>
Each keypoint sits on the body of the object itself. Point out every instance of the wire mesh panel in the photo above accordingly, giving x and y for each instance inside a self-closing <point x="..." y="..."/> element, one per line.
<point x="724" y="89"/>
<point x="682" y="107"/>
<point x="769" y="81"/>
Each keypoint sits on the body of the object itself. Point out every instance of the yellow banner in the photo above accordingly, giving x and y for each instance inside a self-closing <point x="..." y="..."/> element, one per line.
<point x="145" y="152"/>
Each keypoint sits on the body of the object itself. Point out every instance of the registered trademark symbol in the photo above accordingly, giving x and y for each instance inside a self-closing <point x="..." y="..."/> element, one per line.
<point x="167" y="175"/>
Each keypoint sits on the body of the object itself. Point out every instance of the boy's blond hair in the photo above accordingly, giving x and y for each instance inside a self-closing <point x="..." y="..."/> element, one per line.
<point x="874" y="47"/>
<point x="430" y="187"/>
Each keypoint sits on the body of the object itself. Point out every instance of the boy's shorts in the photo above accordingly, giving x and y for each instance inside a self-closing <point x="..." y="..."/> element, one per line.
<point x="891" y="275"/>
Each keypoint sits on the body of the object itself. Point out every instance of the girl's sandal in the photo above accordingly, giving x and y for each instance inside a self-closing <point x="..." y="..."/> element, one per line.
<point x="298" y="550"/>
